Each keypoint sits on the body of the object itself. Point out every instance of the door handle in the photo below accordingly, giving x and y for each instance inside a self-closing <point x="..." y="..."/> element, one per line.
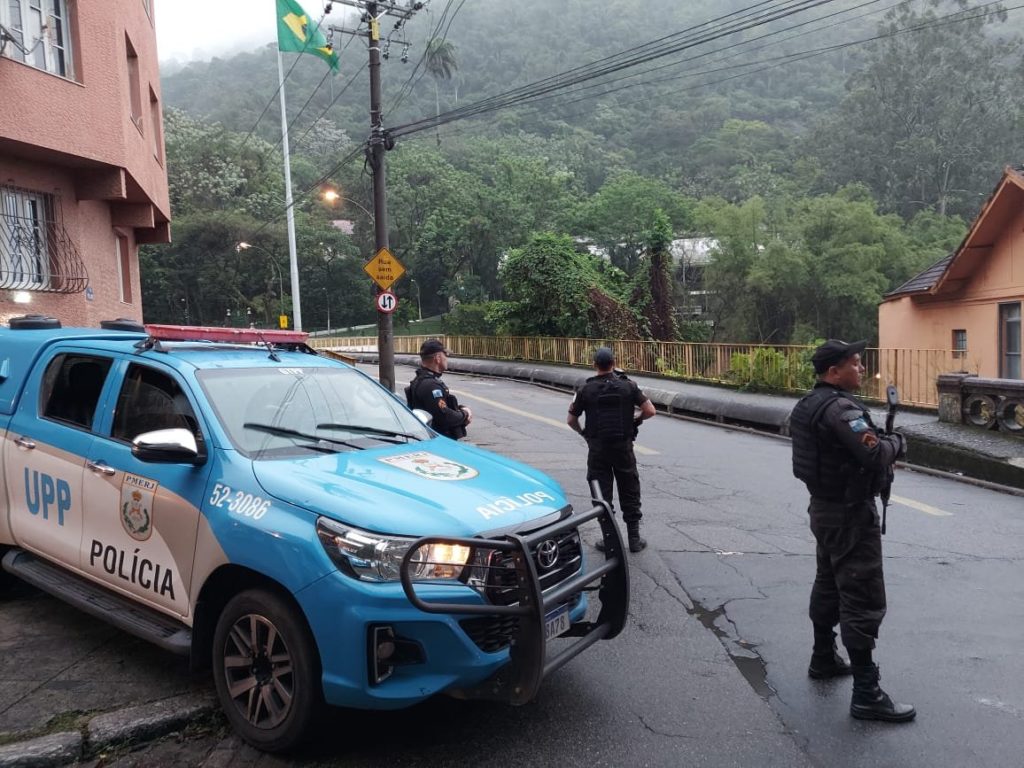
<point x="100" y="468"/>
<point x="24" y="442"/>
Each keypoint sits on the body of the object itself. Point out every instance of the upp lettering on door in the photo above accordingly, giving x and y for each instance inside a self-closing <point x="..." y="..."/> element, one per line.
<point x="46" y="495"/>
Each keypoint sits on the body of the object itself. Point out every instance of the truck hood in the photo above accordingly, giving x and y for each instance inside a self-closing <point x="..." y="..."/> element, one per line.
<point x="435" y="487"/>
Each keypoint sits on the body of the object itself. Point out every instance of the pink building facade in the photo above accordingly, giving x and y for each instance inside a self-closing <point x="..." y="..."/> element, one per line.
<point x="970" y="302"/>
<point x="82" y="176"/>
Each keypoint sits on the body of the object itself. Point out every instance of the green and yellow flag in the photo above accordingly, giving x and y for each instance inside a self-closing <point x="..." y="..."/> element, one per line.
<point x="297" y="33"/>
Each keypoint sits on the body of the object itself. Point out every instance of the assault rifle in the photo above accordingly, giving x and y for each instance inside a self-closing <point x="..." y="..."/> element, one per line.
<point x="892" y="396"/>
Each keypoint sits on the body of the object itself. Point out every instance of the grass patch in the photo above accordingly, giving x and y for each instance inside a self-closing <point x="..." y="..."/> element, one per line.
<point x="75" y="720"/>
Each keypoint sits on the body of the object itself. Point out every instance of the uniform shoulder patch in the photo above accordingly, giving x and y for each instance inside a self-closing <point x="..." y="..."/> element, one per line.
<point x="857" y="422"/>
<point x="437" y="393"/>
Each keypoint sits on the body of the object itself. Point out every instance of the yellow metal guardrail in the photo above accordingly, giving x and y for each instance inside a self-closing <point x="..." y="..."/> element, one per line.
<point x="783" y="368"/>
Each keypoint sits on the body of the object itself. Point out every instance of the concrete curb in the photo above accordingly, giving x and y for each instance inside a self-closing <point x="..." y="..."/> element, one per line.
<point x="140" y="723"/>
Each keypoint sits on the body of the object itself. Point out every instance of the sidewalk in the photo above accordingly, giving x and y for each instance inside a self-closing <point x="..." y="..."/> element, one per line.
<point x="985" y="456"/>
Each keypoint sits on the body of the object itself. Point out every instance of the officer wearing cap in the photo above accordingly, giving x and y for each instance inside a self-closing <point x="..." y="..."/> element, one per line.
<point x="608" y="400"/>
<point x="843" y="459"/>
<point x="428" y="392"/>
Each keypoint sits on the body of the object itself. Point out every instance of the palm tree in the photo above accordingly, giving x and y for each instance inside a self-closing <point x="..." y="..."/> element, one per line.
<point x="440" y="63"/>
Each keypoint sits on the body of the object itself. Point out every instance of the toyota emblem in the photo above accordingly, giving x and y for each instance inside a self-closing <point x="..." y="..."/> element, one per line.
<point x="547" y="554"/>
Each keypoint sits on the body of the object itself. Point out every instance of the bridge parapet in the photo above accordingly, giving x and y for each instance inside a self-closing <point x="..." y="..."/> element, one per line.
<point x="987" y="403"/>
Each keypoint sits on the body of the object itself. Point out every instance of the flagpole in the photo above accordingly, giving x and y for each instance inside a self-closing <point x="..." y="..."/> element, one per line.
<point x="293" y="260"/>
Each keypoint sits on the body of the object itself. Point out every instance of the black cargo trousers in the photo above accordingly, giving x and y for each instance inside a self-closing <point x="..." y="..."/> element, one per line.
<point x="608" y="460"/>
<point x="849" y="588"/>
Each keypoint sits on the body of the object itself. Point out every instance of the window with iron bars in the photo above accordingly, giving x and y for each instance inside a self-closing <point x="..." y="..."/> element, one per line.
<point x="37" y="33"/>
<point x="26" y="220"/>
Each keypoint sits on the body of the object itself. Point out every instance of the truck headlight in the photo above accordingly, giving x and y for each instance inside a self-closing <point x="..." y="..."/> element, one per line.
<point x="375" y="557"/>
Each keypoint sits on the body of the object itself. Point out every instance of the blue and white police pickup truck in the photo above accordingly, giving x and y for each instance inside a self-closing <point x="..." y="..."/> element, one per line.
<point x="280" y="516"/>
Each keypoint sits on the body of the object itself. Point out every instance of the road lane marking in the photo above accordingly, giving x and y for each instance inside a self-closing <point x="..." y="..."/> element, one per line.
<point x="544" y="419"/>
<point x="920" y="506"/>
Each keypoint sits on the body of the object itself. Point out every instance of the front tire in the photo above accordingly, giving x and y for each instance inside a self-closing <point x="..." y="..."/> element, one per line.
<point x="267" y="670"/>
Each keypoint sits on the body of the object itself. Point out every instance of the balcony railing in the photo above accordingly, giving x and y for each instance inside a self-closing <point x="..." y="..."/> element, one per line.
<point x="778" y="368"/>
<point x="39" y="256"/>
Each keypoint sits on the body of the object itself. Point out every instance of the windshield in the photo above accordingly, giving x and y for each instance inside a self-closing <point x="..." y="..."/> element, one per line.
<point x="280" y="412"/>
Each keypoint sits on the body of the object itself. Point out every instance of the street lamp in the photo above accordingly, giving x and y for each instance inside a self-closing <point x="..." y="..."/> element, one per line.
<point x="243" y="246"/>
<point x="332" y="196"/>
<point x="419" y="307"/>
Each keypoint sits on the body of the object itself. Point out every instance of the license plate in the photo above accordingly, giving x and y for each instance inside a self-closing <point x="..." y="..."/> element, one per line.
<point x="556" y="622"/>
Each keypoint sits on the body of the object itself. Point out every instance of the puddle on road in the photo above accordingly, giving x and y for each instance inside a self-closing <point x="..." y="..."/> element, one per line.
<point x="743" y="654"/>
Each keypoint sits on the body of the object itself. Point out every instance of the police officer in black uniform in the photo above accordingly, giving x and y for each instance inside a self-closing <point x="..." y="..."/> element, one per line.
<point x="844" y="460"/>
<point x="608" y="400"/>
<point x="428" y="392"/>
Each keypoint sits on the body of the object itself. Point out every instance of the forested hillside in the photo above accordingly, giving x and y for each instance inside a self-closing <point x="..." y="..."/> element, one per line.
<point x="827" y="168"/>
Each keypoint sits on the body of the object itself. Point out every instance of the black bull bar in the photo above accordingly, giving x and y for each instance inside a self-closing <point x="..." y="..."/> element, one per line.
<point x="518" y="681"/>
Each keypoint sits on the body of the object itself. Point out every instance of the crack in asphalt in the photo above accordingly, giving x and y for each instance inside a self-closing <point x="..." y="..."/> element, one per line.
<point x="657" y="732"/>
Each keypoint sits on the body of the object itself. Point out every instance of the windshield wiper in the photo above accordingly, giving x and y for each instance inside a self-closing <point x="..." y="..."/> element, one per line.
<point x="270" y="429"/>
<point x="382" y="434"/>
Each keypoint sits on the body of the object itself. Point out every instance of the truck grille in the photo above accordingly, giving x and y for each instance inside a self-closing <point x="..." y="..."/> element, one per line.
<point x="492" y="633"/>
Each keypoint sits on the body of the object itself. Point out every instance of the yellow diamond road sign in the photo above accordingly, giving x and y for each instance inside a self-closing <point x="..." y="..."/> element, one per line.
<point x="384" y="269"/>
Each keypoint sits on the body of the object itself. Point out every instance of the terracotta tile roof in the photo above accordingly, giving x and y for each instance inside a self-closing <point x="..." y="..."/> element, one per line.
<point x="923" y="281"/>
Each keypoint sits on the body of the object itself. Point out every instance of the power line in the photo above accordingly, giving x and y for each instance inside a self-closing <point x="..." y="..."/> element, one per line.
<point x="327" y="74"/>
<point x="267" y="106"/>
<point x="408" y="86"/>
<point x="747" y="18"/>
<point x="773" y="62"/>
<point x="951" y="18"/>
<point x="337" y="167"/>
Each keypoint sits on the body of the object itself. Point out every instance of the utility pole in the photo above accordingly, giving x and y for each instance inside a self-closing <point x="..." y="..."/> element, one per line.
<point x="376" y="150"/>
<point x="379" y="143"/>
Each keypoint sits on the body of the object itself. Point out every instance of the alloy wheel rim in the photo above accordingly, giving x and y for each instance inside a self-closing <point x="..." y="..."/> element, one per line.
<point x="258" y="671"/>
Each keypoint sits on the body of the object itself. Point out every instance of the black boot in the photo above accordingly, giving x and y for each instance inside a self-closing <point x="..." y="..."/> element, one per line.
<point x="825" y="659"/>
<point x="870" y="702"/>
<point x="636" y="544"/>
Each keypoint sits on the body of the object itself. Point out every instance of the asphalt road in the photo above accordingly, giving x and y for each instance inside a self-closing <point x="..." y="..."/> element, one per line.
<point x="712" y="669"/>
<point x="727" y="518"/>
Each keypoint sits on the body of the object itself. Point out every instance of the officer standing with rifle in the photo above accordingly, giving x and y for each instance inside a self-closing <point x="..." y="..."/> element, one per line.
<point x="845" y="462"/>
<point x="608" y="400"/>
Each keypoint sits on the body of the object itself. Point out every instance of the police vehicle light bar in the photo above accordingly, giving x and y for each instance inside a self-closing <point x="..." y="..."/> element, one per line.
<point x="230" y="335"/>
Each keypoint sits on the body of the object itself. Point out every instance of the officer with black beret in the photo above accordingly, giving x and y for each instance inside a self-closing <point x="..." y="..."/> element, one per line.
<point x="844" y="460"/>
<point x="608" y="400"/>
<point x="428" y="392"/>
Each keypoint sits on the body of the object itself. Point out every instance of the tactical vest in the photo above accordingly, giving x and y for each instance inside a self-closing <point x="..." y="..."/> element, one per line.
<point x="610" y="417"/>
<point x="822" y="464"/>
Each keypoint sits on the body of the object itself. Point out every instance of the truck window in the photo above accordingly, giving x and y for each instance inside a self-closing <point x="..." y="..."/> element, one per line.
<point x="71" y="388"/>
<point x="150" y="400"/>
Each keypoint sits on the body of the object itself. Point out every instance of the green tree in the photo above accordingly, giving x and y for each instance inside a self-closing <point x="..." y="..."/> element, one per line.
<point x="652" y="292"/>
<point x="441" y="64"/>
<point x="551" y="289"/>
<point x="622" y="213"/>
<point x="933" y="117"/>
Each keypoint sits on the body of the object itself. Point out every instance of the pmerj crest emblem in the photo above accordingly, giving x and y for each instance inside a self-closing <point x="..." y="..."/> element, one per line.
<point x="431" y="466"/>
<point x="137" y="506"/>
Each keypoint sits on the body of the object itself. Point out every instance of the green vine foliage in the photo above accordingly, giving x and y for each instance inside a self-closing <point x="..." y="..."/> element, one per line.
<point x="551" y="289"/>
<point x="771" y="369"/>
<point x="470" y="320"/>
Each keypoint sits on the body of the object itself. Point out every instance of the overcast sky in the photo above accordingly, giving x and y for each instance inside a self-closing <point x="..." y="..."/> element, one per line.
<point x="199" y="29"/>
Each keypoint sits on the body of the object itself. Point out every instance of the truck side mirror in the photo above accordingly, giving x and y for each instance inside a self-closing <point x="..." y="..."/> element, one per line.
<point x="168" y="446"/>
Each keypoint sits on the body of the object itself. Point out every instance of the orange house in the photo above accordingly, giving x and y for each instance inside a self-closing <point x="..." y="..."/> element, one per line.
<point x="970" y="301"/>
<point x="82" y="176"/>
